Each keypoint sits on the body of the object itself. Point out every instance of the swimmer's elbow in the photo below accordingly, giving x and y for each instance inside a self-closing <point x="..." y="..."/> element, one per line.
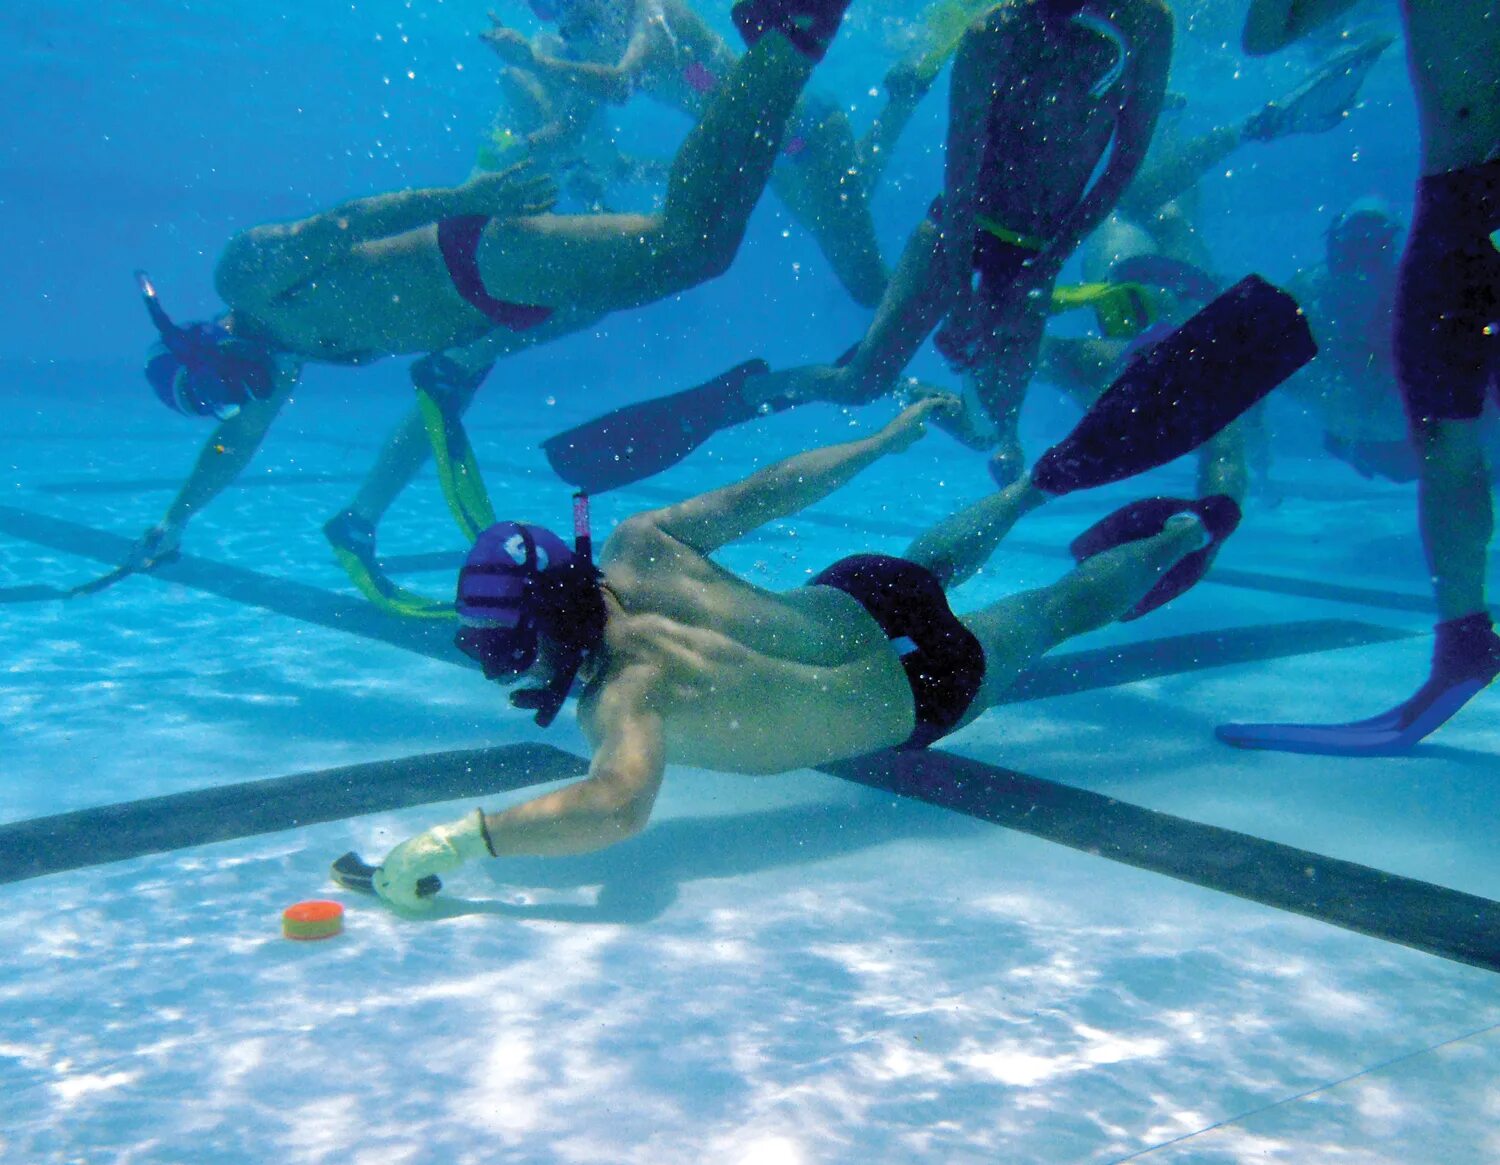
<point x="620" y="812"/>
<point x="631" y="818"/>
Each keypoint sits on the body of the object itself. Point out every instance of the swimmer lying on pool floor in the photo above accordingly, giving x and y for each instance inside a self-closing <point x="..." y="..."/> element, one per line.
<point x="683" y="661"/>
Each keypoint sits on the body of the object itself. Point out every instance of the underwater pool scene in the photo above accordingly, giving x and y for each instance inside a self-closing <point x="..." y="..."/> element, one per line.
<point x="320" y="319"/>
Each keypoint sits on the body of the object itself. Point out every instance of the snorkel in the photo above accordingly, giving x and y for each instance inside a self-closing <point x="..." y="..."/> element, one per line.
<point x="577" y="642"/>
<point x="171" y="335"/>
<point x="203" y="369"/>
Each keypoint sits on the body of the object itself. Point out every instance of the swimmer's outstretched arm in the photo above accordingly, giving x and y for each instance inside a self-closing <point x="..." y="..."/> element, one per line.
<point x="1175" y="167"/>
<point x="715" y="519"/>
<point x="1273" y="24"/>
<point x="224" y="455"/>
<point x="266" y="261"/>
<point x="611" y="804"/>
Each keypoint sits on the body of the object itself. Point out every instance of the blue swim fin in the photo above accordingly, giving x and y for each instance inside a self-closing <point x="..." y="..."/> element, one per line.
<point x="641" y="439"/>
<point x="1183" y="390"/>
<point x="1465" y="659"/>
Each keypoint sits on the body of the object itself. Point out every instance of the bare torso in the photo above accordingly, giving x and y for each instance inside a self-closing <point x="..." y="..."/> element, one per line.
<point x="745" y="680"/>
<point x="685" y="61"/>
<point x="1453" y="47"/>
<point x="380" y="298"/>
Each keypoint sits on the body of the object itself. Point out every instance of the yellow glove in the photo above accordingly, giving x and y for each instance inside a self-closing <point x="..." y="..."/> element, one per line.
<point x="440" y="849"/>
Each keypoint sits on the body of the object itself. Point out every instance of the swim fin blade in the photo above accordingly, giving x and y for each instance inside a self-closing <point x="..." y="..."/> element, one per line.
<point x="353" y="873"/>
<point x="1322" y="101"/>
<point x="353" y="543"/>
<point x="1219" y="513"/>
<point x="105" y="581"/>
<point x="1183" y="390"/>
<point x="641" y="439"/>
<point x="1465" y="660"/>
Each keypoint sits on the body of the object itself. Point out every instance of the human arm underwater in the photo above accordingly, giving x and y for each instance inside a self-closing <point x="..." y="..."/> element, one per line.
<point x="611" y="804"/>
<point x="229" y="448"/>
<point x="725" y="515"/>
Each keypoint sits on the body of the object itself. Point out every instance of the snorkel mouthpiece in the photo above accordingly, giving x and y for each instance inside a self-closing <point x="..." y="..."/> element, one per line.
<point x="171" y="335"/>
<point x="203" y="369"/>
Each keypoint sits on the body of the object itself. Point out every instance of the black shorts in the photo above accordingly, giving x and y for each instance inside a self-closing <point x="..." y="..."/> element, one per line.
<point x="944" y="662"/>
<point x="1448" y="297"/>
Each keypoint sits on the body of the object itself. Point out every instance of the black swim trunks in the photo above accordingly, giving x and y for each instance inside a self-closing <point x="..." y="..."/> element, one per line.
<point x="944" y="662"/>
<point x="458" y="240"/>
<point x="1448" y="297"/>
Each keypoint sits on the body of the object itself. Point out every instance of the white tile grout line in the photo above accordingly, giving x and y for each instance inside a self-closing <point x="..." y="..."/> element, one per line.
<point x="1332" y="1084"/>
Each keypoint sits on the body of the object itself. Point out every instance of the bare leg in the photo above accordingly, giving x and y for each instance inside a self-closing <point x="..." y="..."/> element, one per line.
<point x="408" y="448"/>
<point x="826" y="192"/>
<point x="995" y="385"/>
<point x="609" y="262"/>
<point x="957" y="547"/>
<point x="905" y="317"/>
<point x="1223" y="465"/>
<point x="1456" y="514"/>
<point x="1019" y="629"/>
<point x="405" y="451"/>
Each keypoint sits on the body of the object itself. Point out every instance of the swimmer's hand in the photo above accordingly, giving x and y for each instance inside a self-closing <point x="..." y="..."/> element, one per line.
<point x="156" y="546"/>
<point x="440" y="849"/>
<point x="910" y="425"/>
<point x="514" y="192"/>
<point x="510" y="46"/>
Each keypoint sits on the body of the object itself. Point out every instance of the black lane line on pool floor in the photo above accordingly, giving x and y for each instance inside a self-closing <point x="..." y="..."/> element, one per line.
<point x="1435" y="919"/>
<point x="250" y="588"/>
<point x="1426" y="917"/>
<point x="113" y="833"/>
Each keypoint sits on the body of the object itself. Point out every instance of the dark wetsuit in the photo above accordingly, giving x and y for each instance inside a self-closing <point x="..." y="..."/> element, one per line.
<point x="1448" y="297"/>
<point x="458" y="240"/>
<point x="944" y="662"/>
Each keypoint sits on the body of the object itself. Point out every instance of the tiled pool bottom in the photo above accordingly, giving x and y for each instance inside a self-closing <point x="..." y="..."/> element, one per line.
<point x="778" y="970"/>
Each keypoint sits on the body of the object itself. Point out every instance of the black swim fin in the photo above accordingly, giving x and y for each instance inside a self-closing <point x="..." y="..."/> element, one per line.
<point x="1183" y="390"/>
<point x="641" y="439"/>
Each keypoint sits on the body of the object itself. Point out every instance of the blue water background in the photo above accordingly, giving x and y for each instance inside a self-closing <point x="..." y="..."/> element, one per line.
<point x="145" y="134"/>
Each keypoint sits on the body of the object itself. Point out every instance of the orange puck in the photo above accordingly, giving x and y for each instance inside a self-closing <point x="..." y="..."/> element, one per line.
<point x="312" y="920"/>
